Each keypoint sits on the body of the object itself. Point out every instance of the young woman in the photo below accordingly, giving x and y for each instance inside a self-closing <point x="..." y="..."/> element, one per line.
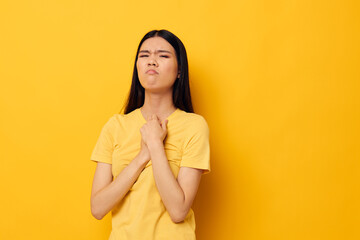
<point x="150" y="159"/>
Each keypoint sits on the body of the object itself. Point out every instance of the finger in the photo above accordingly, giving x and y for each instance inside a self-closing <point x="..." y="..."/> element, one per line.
<point x="155" y="117"/>
<point x="164" y="124"/>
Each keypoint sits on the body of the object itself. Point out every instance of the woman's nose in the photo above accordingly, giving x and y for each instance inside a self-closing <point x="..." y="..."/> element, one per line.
<point x="152" y="61"/>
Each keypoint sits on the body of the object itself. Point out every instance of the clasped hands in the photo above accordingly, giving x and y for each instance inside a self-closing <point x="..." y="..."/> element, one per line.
<point x="153" y="134"/>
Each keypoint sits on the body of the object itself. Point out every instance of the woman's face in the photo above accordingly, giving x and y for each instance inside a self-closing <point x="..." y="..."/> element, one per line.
<point x="157" y="65"/>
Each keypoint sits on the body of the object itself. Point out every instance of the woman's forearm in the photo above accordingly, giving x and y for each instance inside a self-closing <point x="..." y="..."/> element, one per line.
<point x="108" y="197"/>
<point x="170" y="191"/>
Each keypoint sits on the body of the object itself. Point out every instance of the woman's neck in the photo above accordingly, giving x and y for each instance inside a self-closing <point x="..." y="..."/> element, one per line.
<point x="159" y="104"/>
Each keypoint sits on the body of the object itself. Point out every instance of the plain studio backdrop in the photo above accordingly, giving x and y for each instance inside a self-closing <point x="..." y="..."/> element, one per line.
<point x="277" y="81"/>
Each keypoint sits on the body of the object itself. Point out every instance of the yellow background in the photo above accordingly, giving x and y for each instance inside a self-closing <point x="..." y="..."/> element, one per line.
<point x="277" y="81"/>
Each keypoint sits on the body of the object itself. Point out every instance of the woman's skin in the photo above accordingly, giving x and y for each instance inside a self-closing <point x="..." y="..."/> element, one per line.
<point x="177" y="194"/>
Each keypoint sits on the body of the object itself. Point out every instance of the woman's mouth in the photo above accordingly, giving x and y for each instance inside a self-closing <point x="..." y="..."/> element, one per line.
<point x="151" y="71"/>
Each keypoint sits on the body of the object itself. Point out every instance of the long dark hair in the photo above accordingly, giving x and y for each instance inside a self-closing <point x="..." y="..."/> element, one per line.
<point x="181" y="90"/>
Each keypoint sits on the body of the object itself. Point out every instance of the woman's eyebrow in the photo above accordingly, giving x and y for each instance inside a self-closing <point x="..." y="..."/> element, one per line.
<point x="147" y="51"/>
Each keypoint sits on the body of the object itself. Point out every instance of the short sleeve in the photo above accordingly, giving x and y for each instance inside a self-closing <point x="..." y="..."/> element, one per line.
<point x="104" y="146"/>
<point x="196" y="151"/>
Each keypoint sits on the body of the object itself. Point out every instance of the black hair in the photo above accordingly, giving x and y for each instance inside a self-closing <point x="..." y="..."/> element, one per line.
<point x="181" y="89"/>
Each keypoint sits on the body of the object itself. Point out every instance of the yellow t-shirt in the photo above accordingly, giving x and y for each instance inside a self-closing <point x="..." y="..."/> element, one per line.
<point x="141" y="213"/>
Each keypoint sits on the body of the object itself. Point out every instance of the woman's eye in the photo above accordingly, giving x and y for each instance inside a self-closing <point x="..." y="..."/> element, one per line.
<point x="143" y="55"/>
<point x="164" y="56"/>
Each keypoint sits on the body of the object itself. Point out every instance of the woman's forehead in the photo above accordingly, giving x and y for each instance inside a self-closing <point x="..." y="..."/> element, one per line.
<point x="156" y="44"/>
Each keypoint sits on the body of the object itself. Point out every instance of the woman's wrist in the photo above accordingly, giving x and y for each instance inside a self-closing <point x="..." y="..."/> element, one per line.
<point x="155" y="144"/>
<point x="143" y="158"/>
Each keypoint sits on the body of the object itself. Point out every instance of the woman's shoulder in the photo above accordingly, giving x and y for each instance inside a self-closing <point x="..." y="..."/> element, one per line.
<point x="124" y="119"/>
<point x="192" y="125"/>
<point x="193" y="119"/>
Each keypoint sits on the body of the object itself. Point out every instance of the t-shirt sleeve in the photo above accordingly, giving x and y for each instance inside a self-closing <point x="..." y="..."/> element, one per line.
<point x="196" y="152"/>
<point x="104" y="146"/>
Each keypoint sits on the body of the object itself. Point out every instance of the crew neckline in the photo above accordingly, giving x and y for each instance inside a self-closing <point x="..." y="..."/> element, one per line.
<point x="168" y="118"/>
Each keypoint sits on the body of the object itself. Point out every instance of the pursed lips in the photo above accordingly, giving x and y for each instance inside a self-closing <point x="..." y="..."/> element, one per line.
<point x="151" y="71"/>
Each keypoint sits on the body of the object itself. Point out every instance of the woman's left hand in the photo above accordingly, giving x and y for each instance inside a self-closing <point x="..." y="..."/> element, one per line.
<point x="154" y="130"/>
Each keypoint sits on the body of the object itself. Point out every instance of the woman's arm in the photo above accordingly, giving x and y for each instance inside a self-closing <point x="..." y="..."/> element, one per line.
<point x="176" y="194"/>
<point x="105" y="193"/>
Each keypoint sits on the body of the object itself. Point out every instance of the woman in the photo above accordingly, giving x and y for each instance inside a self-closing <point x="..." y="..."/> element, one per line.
<point x="157" y="150"/>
